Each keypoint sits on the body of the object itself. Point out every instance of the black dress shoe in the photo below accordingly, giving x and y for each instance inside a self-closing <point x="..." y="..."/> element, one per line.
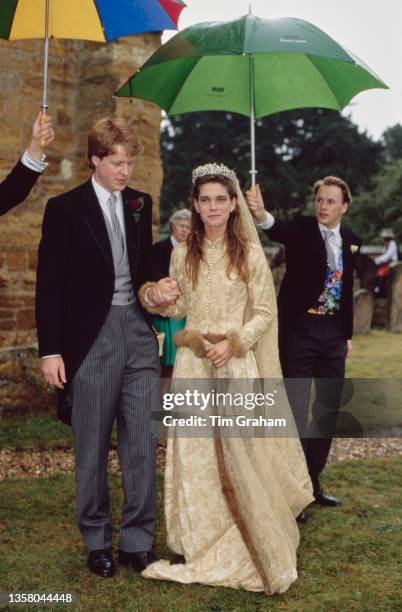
<point x="302" y="518"/>
<point x="138" y="560"/>
<point x="100" y="562"/>
<point x="326" y="500"/>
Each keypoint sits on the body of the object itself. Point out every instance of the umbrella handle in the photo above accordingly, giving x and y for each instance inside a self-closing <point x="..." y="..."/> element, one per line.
<point x="43" y="114"/>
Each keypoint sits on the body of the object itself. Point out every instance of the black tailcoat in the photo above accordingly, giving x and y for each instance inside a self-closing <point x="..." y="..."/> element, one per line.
<point x="306" y="265"/>
<point x="161" y="252"/>
<point x="16" y="186"/>
<point x="75" y="279"/>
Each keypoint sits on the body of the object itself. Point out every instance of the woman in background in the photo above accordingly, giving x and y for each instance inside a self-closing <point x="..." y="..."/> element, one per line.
<point x="179" y="228"/>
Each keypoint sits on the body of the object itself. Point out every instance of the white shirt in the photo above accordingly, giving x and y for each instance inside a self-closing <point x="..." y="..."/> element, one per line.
<point x="30" y="162"/>
<point x="173" y="240"/>
<point x="335" y="239"/>
<point x="103" y="196"/>
<point x="391" y="254"/>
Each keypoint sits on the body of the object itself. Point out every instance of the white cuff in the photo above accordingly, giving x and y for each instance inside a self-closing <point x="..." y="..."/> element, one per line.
<point x="32" y="163"/>
<point x="268" y="223"/>
<point x="47" y="356"/>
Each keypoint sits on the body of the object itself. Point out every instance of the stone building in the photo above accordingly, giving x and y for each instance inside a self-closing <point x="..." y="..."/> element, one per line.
<point x="82" y="78"/>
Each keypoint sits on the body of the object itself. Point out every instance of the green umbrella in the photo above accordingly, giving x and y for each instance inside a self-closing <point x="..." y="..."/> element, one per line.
<point x="252" y="66"/>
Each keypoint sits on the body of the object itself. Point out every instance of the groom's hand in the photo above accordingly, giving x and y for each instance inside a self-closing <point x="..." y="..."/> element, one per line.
<point x="54" y="371"/>
<point x="165" y="292"/>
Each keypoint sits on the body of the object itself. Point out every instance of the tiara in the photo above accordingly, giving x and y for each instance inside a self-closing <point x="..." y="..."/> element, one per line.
<point x="211" y="169"/>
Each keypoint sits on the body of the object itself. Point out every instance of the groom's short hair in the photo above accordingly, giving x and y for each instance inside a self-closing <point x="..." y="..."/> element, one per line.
<point x="108" y="132"/>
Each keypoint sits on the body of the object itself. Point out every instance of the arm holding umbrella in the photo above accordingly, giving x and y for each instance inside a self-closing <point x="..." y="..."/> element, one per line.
<point x="281" y="231"/>
<point x="17" y="185"/>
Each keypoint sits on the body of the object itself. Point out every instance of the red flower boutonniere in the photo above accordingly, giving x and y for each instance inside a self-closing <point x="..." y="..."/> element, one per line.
<point x="136" y="207"/>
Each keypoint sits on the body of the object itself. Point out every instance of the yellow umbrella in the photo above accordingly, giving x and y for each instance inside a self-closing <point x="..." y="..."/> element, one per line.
<point x="98" y="20"/>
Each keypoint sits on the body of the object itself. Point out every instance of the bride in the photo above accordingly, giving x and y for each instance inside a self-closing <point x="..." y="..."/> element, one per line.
<point x="230" y="502"/>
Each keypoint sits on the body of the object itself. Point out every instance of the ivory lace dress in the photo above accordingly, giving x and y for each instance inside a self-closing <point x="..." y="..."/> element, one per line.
<point x="231" y="503"/>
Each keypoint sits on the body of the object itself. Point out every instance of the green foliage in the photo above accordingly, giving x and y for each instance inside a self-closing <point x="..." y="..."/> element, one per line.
<point x="392" y="138"/>
<point x="381" y="207"/>
<point x="293" y="150"/>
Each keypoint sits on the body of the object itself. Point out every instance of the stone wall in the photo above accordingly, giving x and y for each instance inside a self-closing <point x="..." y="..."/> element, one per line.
<point x="82" y="79"/>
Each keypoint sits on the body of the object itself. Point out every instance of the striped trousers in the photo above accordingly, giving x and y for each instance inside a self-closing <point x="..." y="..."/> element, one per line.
<point x="118" y="379"/>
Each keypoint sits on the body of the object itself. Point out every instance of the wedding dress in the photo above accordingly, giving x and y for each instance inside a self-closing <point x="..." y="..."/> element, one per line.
<point x="231" y="502"/>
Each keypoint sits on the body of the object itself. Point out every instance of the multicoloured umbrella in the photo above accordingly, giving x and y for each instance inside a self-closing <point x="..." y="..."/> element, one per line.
<point x="252" y="66"/>
<point x="99" y="20"/>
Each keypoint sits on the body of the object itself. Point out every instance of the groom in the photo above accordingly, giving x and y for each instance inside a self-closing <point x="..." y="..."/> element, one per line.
<point x="96" y="345"/>
<point x="315" y="314"/>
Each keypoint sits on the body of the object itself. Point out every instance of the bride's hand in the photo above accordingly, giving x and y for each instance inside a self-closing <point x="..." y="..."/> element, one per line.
<point x="164" y="293"/>
<point x="220" y="353"/>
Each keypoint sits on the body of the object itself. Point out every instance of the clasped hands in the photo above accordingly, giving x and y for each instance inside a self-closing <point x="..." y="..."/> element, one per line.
<point x="165" y="293"/>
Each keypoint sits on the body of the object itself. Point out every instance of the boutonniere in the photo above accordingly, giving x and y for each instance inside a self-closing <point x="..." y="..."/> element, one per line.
<point x="354" y="248"/>
<point x="136" y="207"/>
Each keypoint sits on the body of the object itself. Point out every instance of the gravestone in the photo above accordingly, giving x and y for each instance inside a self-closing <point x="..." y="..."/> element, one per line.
<point x="363" y="308"/>
<point x="395" y="298"/>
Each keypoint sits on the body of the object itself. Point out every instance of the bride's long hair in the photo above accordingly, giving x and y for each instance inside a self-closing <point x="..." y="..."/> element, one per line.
<point x="236" y="238"/>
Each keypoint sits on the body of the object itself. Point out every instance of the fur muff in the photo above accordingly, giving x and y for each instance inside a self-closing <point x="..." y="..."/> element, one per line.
<point x="192" y="339"/>
<point x="236" y="345"/>
<point x="214" y="338"/>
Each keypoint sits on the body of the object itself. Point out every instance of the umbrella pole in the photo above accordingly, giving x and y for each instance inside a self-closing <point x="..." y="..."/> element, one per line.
<point x="253" y="171"/>
<point x="44" y="105"/>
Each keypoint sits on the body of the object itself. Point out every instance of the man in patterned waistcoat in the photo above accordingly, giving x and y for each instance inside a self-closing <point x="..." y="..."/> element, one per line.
<point x="315" y="314"/>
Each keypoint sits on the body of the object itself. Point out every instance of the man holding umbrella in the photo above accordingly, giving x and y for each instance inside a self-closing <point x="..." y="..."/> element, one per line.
<point x="315" y="313"/>
<point x="17" y="185"/>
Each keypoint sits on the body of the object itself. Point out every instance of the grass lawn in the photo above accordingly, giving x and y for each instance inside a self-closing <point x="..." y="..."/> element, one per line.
<point x="377" y="355"/>
<point x="350" y="557"/>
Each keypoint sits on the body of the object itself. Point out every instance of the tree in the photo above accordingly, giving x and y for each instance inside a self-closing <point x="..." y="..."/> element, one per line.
<point x="381" y="207"/>
<point x="293" y="149"/>
<point x="392" y="138"/>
